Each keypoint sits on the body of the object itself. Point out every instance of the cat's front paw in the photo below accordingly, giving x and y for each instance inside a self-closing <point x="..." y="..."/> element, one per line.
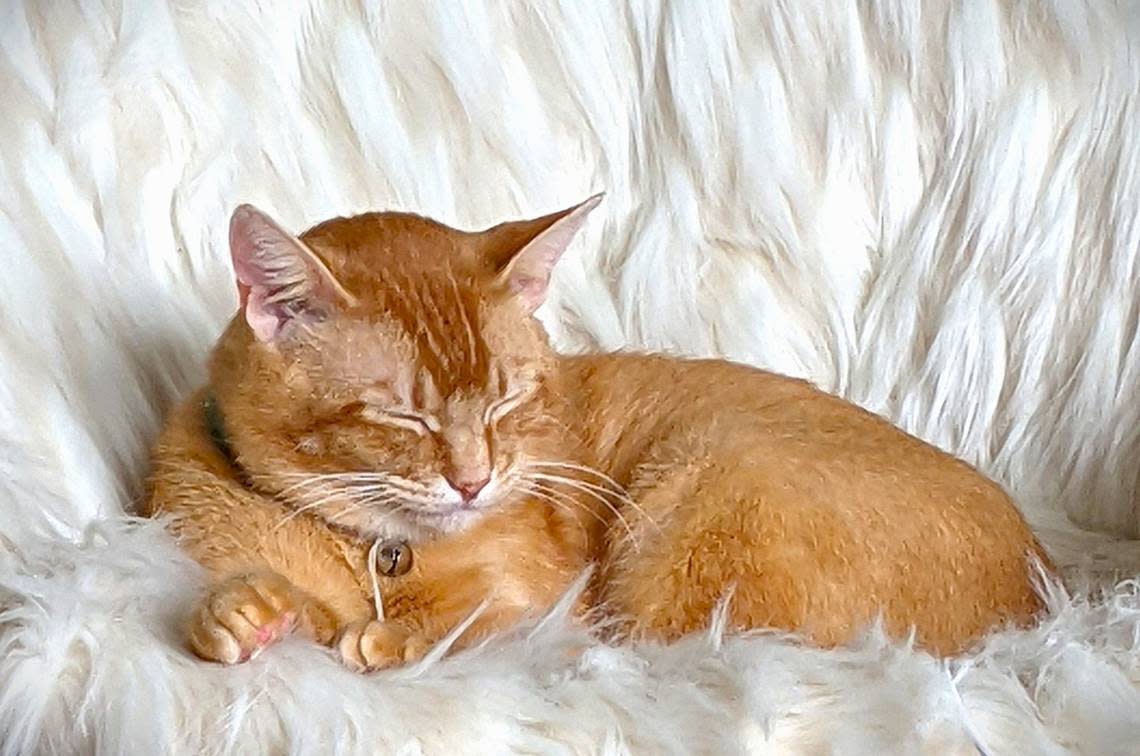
<point x="241" y="616"/>
<point x="374" y="645"/>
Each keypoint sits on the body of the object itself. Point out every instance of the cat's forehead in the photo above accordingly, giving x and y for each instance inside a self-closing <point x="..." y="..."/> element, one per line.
<point x="424" y="304"/>
<point x="439" y="334"/>
<point x="366" y="251"/>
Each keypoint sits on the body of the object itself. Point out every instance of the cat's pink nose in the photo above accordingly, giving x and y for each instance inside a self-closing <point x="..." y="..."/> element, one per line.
<point x="469" y="489"/>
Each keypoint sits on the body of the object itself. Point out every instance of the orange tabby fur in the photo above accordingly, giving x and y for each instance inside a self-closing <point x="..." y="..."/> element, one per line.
<point x="392" y="345"/>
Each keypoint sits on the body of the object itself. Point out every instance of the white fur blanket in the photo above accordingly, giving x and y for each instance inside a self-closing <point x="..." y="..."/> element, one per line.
<point x="931" y="208"/>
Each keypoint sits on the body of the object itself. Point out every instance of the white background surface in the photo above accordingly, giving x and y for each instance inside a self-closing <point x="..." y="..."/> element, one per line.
<point x="935" y="213"/>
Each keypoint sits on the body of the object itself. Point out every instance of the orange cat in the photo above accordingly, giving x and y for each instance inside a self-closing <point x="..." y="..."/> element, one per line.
<point x="384" y="379"/>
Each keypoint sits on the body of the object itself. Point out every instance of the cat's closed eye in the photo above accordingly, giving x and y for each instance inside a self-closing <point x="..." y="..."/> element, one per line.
<point x="400" y="418"/>
<point x="497" y="410"/>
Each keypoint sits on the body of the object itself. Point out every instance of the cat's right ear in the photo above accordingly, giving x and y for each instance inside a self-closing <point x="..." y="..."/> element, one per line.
<point x="280" y="281"/>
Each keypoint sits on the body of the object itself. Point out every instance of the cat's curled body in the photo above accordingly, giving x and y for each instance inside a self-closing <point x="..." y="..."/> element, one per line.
<point x="385" y="378"/>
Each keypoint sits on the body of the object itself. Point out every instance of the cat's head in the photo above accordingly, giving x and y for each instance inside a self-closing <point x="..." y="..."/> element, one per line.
<point x="385" y="372"/>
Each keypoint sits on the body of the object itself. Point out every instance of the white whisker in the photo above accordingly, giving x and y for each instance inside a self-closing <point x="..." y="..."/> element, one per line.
<point x="547" y="496"/>
<point x="350" y="477"/>
<point x="536" y="488"/>
<point x="578" y="486"/>
<point x="374" y="494"/>
<point x="618" y="491"/>
<point x="580" y="468"/>
<point x="324" y="499"/>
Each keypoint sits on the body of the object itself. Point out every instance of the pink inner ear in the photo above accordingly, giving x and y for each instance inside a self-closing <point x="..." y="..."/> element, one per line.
<point x="265" y="320"/>
<point x="531" y="292"/>
<point x="528" y="274"/>
<point x="243" y="294"/>
<point x="278" y="278"/>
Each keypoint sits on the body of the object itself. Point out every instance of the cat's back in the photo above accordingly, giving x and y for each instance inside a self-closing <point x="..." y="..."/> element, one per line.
<point x="738" y="403"/>
<point x="775" y="426"/>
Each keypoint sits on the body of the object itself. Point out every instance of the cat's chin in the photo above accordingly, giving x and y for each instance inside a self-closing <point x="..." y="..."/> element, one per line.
<point x="444" y="523"/>
<point x="414" y="526"/>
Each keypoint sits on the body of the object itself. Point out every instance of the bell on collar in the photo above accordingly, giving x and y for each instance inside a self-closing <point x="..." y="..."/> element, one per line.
<point x="393" y="558"/>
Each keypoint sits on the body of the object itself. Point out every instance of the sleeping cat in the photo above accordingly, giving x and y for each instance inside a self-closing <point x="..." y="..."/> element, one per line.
<point x="385" y="379"/>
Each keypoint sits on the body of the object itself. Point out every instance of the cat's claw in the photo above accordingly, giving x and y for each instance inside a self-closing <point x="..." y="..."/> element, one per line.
<point x="366" y="646"/>
<point x="241" y="616"/>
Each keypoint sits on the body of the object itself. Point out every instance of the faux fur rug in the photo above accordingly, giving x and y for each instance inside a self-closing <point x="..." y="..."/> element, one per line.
<point x="931" y="208"/>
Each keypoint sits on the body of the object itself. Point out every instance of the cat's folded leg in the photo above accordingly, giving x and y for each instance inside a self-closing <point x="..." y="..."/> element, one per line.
<point x="242" y="615"/>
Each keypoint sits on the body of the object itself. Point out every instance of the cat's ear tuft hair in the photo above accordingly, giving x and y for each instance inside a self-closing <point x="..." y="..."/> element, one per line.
<point x="279" y="279"/>
<point x="523" y="253"/>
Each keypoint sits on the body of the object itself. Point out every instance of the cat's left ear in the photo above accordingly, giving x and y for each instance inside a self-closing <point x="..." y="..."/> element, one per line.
<point x="524" y="252"/>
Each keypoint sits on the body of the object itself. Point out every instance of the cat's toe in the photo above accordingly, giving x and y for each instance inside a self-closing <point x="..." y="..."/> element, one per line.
<point x="365" y="646"/>
<point x="211" y="640"/>
<point x="239" y="618"/>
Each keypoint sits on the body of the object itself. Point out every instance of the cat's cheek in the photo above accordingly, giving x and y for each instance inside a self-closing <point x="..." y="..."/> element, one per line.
<point x="522" y="430"/>
<point x="346" y="444"/>
<point x="310" y="445"/>
<point x="296" y="373"/>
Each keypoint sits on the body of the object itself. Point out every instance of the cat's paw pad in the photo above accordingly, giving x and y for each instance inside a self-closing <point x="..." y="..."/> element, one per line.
<point x="377" y="645"/>
<point x="241" y="616"/>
